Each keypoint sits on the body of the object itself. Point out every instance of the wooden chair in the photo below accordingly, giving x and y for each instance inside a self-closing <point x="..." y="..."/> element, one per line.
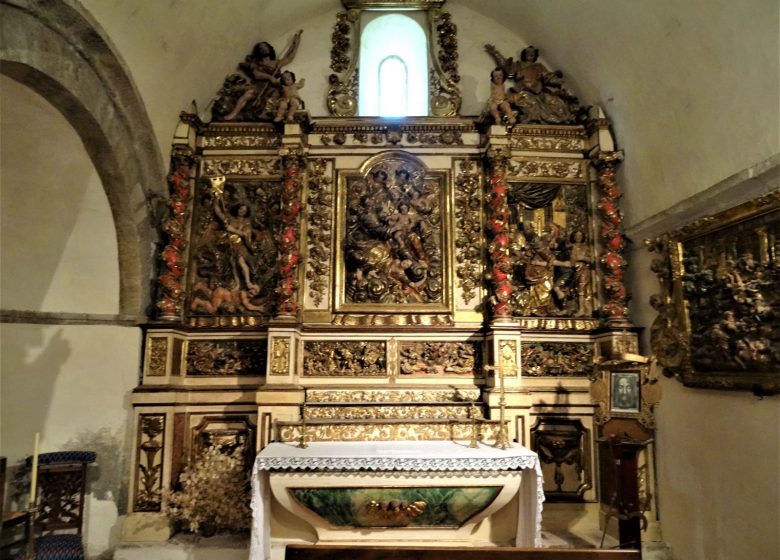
<point x="62" y="480"/>
<point x="338" y="552"/>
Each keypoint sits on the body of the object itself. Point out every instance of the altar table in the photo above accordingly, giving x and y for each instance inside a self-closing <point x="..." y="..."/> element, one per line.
<point x="361" y="459"/>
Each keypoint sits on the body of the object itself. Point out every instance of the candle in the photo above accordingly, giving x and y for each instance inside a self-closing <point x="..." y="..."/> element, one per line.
<point x="34" y="480"/>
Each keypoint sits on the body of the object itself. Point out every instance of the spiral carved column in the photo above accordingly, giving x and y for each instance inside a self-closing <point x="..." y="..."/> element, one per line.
<point x="613" y="241"/>
<point x="174" y="229"/>
<point x="498" y="231"/>
<point x="289" y="252"/>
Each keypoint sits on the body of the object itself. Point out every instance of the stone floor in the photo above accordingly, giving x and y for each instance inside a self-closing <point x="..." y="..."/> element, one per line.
<point x="563" y="526"/>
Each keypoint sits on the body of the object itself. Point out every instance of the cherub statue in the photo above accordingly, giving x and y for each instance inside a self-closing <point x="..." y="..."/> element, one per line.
<point x="290" y="102"/>
<point x="498" y="97"/>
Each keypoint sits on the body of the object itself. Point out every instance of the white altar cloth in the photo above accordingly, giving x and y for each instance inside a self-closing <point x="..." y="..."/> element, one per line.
<point x="396" y="456"/>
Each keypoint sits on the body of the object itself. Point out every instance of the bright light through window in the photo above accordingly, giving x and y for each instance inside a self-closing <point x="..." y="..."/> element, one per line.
<point x="393" y="95"/>
<point x="393" y="68"/>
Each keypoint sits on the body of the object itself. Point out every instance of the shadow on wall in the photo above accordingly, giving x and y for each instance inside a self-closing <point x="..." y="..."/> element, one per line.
<point x="30" y="363"/>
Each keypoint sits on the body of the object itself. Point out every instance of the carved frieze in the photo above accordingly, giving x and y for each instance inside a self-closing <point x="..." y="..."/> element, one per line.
<point x="558" y="359"/>
<point x="399" y="412"/>
<point x="149" y="462"/>
<point x="157" y="350"/>
<point x="319" y="208"/>
<point x="340" y="358"/>
<point x="454" y="394"/>
<point x="255" y="141"/>
<point x="226" y="357"/>
<point x="521" y="141"/>
<point x="434" y="430"/>
<point x="265" y="168"/>
<point x="440" y="358"/>
<point x="393" y="237"/>
<point x="552" y="169"/>
<point x="234" y="248"/>
<point x="468" y="240"/>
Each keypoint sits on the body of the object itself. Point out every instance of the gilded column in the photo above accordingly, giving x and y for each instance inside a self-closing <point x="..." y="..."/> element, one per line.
<point x="174" y="231"/>
<point x="498" y="230"/>
<point x="289" y="252"/>
<point x="612" y="239"/>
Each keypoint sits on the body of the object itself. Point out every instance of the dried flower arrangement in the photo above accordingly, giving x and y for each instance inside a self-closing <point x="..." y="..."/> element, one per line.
<point x="214" y="495"/>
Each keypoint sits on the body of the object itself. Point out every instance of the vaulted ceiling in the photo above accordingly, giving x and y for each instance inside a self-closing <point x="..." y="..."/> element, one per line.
<point x="692" y="87"/>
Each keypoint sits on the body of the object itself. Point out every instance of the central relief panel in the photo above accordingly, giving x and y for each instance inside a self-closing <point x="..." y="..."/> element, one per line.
<point x="394" y="254"/>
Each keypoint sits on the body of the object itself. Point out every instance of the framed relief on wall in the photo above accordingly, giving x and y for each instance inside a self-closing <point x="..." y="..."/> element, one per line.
<point x="718" y="322"/>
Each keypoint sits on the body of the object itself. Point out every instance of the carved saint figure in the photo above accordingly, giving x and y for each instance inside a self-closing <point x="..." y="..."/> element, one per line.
<point x="260" y="81"/>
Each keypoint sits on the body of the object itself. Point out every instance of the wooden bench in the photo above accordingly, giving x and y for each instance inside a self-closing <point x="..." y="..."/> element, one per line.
<point x="340" y="552"/>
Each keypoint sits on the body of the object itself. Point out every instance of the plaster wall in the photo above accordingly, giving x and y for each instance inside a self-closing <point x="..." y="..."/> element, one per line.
<point x="71" y="383"/>
<point x="717" y="459"/>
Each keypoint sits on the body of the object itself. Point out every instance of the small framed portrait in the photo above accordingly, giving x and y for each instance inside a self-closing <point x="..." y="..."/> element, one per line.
<point x="625" y="392"/>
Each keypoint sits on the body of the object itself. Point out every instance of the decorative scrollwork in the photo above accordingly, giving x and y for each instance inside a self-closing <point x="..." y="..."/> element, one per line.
<point x="319" y="231"/>
<point x="455" y="394"/>
<point x="257" y="168"/>
<point x="468" y="241"/>
<point x="547" y="168"/>
<point x="157" y="349"/>
<point x="342" y="96"/>
<point x="149" y="476"/>
<point x="445" y="97"/>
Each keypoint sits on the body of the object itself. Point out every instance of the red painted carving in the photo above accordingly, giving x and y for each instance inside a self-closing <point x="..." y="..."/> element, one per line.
<point x="289" y="255"/>
<point x="174" y="227"/>
<point x="498" y="248"/>
<point x="613" y="241"/>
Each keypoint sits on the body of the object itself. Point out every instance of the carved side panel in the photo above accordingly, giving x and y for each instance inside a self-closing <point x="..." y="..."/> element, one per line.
<point x="564" y="452"/>
<point x="149" y="461"/>
<point x="469" y="250"/>
<point x="226" y="357"/>
<point x="319" y="208"/>
<point x="157" y="356"/>
<point x="552" y="257"/>
<point x="349" y="359"/>
<point x="234" y="251"/>
<point x="440" y="358"/>
<point x="558" y="359"/>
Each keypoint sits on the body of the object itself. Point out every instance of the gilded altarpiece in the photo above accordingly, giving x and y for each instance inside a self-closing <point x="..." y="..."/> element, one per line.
<point x="366" y="279"/>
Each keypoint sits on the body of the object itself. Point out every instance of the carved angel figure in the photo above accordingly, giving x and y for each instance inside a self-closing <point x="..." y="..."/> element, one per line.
<point x="254" y="93"/>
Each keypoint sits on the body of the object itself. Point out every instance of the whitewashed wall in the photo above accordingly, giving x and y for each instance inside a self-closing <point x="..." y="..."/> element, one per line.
<point x="71" y="383"/>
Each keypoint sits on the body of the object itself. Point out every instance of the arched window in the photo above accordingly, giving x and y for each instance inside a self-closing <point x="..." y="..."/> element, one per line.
<point x="393" y="68"/>
<point x="393" y="87"/>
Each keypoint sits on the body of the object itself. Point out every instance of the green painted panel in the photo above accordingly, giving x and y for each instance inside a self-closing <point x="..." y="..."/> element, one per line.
<point x="443" y="506"/>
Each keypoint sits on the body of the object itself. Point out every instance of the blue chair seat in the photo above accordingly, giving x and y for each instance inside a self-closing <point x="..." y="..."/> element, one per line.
<point x="59" y="547"/>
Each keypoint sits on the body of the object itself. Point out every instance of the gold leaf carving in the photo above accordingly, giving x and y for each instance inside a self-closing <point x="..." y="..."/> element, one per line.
<point x="468" y="241"/>
<point x="351" y="359"/>
<point x="253" y="167"/>
<point x="320" y="212"/>
<point x="547" y="168"/>
<point x="157" y="347"/>
<point x="280" y="361"/>
<point x="392" y="395"/>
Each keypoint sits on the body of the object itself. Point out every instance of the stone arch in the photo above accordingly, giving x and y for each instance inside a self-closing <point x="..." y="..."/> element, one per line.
<point x="55" y="49"/>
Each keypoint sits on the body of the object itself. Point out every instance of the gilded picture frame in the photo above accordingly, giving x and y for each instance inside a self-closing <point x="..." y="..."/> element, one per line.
<point x="718" y="324"/>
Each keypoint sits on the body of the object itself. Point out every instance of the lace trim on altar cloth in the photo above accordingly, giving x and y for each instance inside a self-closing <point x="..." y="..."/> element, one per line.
<point x="396" y="463"/>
